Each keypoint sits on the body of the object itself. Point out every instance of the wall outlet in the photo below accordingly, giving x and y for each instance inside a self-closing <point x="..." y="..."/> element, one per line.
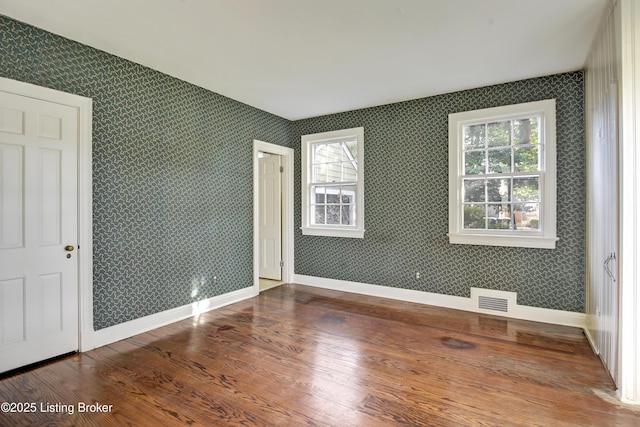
<point x="215" y="280"/>
<point x="417" y="274"/>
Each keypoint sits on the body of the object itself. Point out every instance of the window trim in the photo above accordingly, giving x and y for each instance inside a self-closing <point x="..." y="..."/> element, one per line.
<point x="545" y="238"/>
<point x="356" y="231"/>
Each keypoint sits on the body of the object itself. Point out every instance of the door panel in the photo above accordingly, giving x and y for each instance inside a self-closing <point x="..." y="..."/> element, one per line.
<point x="39" y="207"/>
<point x="11" y="196"/>
<point x="270" y="233"/>
<point x="12" y="315"/>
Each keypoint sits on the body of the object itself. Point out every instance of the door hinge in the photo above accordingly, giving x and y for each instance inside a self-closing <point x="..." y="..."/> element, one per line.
<point x="281" y="169"/>
<point x="281" y="263"/>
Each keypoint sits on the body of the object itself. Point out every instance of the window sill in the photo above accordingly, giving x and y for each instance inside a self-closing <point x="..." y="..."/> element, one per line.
<point x="518" y="241"/>
<point x="332" y="232"/>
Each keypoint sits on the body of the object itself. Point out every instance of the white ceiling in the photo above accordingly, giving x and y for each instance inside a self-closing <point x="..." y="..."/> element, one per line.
<point x="304" y="58"/>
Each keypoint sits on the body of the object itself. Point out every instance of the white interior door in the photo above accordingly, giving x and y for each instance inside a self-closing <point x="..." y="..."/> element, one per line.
<point x="270" y="233"/>
<point x="38" y="230"/>
<point x="603" y="228"/>
<point x="608" y="237"/>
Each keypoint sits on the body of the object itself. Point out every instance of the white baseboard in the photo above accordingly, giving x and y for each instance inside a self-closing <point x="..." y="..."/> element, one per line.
<point x="591" y="340"/>
<point x="522" y="312"/>
<point x="134" y="327"/>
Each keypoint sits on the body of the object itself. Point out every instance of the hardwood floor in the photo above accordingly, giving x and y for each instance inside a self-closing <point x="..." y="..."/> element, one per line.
<point x="298" y="355"/>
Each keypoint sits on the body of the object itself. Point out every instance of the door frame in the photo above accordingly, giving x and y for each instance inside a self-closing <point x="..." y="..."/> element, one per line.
<point x="84" y="106"/>
<point x="287" y="209"/>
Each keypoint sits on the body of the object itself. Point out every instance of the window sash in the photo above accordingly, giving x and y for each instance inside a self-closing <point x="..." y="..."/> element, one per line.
<point x="345" y="204"/>
<point x="509" y="197"/>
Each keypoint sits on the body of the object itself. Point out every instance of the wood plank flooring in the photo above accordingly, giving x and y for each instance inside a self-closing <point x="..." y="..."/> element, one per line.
<point x="297" y="356"/>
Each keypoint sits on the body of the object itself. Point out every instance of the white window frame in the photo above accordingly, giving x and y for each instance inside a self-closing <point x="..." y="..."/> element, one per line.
<point x="544" y="238"/>
<point x="355" y="231"/>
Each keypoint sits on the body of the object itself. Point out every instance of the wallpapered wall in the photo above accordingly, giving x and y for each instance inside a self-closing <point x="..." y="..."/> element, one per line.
<point x="406" y="202"/>
<point x="172" y="174"/>
<point x="173" y="187"/>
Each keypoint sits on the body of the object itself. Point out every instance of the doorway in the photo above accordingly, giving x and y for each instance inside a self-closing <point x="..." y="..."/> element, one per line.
<point x="273" y="215"/>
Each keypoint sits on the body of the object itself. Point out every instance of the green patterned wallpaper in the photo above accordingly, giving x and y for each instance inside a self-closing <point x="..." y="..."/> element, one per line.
<point x="172" y="177"/>
<point x="173" y="187"/>
<point x="406" y="202"/>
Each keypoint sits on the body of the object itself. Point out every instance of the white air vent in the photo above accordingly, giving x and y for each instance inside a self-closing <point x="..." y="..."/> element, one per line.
<point x="490" y="301"/>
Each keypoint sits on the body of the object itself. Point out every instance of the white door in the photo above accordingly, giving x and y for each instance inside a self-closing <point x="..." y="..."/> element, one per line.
<point x="607" y="237"/>
<point x="603" y="228"/>
<point x="270" y="233"/>
<point x="38" y="230"/>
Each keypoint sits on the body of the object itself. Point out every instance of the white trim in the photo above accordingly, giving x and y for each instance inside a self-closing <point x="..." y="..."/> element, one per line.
<point x="332" y="232"/>
<point x="287" y="155"/>
<point x="144" y="324"/>
<point x="356" y="231"/>
<point x="516" y="241"/>
<point x="410" y="295"/>
<point x="629" y="323"/>
<point x="546" y="238"/>
<point x="85" y="218"/>
<point x="522" y="312"/>
<point x="590" y="338"/>
<point x="85" y="191"/>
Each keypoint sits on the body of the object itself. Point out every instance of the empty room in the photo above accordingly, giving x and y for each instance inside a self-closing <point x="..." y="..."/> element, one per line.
<point x="331" y="213"/>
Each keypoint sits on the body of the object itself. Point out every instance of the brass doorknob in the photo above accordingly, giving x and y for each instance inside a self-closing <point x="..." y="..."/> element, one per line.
<point x="68" y="248"/>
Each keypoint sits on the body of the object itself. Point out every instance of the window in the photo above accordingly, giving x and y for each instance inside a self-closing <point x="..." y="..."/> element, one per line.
<point x="502" y="177"/>
<point x="332" y="183"/>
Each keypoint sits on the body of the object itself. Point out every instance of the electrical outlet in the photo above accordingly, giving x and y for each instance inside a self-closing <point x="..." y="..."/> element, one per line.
<point x="417" y="274"/>
<point x="215" y="280"/>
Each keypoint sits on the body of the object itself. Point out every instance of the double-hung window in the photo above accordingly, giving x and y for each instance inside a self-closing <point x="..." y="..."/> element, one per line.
<point x="502" y="177"/>
<point x="332" y="183"/>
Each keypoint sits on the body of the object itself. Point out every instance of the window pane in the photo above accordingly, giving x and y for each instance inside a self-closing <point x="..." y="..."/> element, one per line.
<point x="500" y="160"/>
<point x="527" y="216"/>
<point x="320" y="173"/>
<point x="319" y="153"/>
<point x="348" y="215"/>
<point x="526" y="159"/>
<point x="499" y="217"/>
<point x="333" y="195"/>
<point x="473" y="190"/>
<point x="335" y="152"/>
<point x="498" y="190"/>
<point x="525" y="131"/>
<point x="474" y="162"/>
<point x="474" y="216"/>
<point x="318" y="194"/>
<point x="333" y="214"/>
<point x="334" y="172"/>
<point x="352" y="148"/>
<point x="319" y="217"/>
<point x="526" y="189"/>
<point x="499" y="133"/>
<point x="474" y="136"/>
<point x="348" y="194"/>
<point x="349" y="172"/>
